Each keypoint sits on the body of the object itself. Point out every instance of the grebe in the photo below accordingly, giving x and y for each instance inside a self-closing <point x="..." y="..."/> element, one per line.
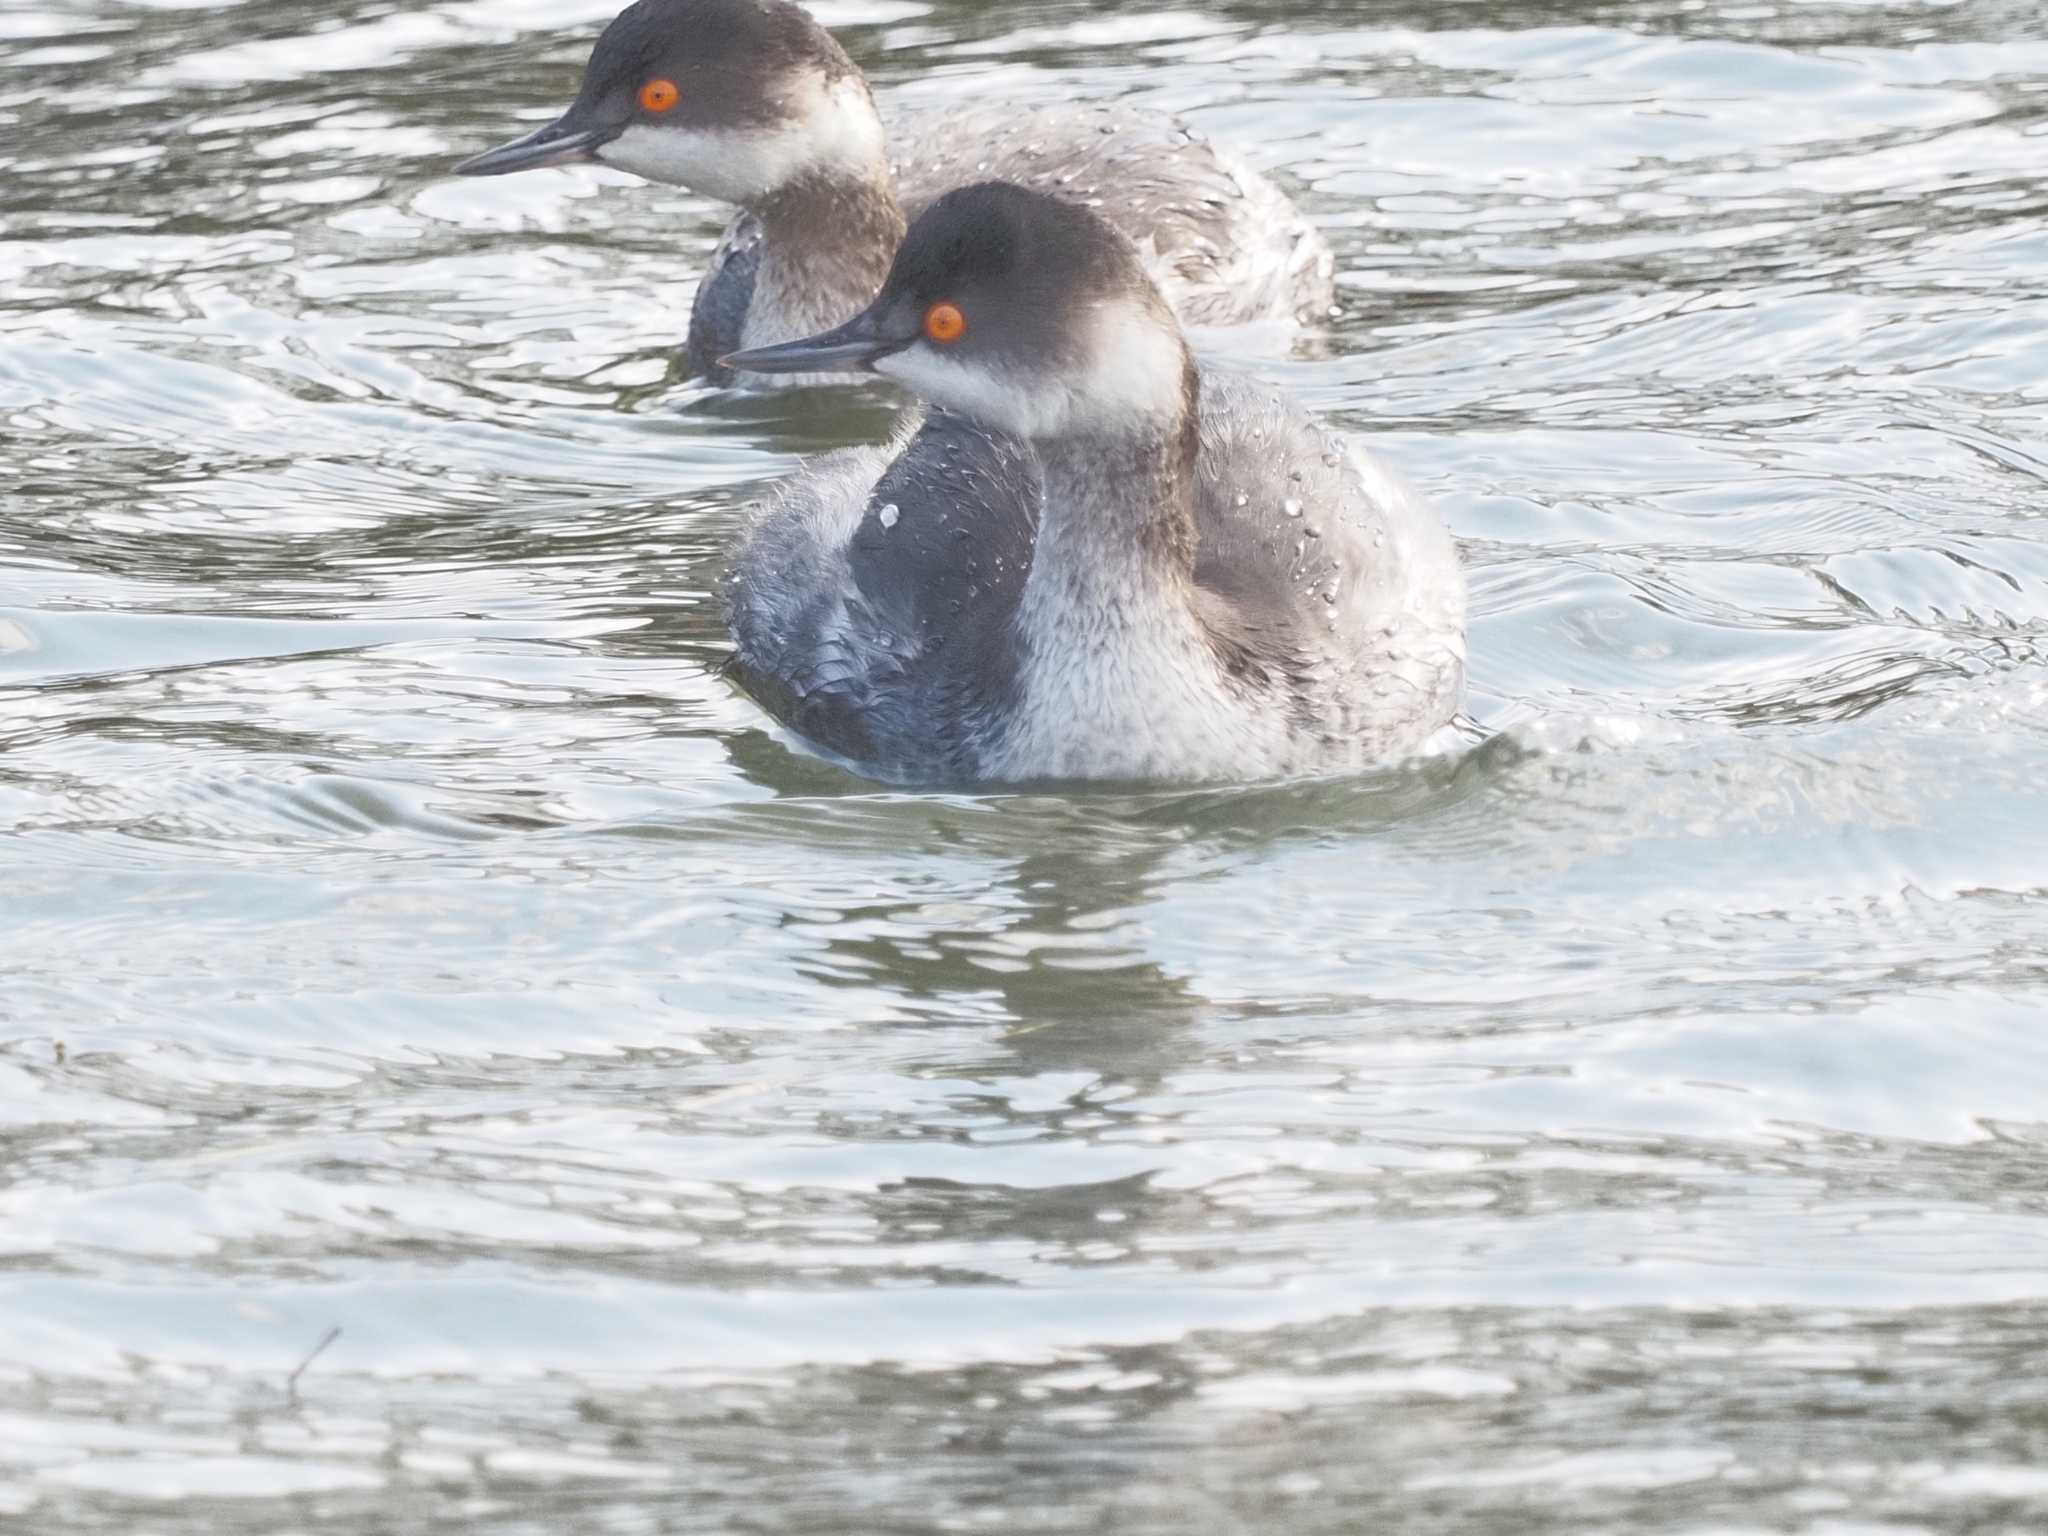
<point x="1093" y="561"/>
<point x="752" y="102"/>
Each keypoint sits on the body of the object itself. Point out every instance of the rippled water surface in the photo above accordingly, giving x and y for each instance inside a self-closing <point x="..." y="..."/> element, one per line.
<point x="1632" y="1123"/>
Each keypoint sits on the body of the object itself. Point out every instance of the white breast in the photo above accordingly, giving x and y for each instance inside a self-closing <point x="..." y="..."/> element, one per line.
<point x="1118" y="681"/>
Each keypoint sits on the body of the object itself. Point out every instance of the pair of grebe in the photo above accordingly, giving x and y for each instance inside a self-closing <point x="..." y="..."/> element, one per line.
<point x="1092" y="558"/>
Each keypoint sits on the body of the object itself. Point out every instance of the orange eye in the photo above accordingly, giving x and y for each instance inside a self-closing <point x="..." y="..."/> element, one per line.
<point x="944" y="323"/>
<point x="659" y="95"/>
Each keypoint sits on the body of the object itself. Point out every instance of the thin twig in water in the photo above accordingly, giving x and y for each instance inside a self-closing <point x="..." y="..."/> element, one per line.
<point x="291" y="1382"/>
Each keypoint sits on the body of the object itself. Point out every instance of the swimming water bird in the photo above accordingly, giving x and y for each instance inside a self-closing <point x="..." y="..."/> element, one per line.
<point x="1093" y="560"/>
<point x="752" y="102"/>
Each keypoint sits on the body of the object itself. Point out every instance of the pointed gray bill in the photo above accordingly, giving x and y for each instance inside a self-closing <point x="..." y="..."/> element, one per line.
<point x="556" y="144"/>
<point x="854" y="347"/>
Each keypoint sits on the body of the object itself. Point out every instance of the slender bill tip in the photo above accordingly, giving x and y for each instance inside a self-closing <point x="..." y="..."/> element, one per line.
<point x="552" y="145"/>
<point x="851" y="348"/>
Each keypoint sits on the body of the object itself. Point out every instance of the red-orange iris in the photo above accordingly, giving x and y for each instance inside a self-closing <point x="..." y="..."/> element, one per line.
<point x="659" y="95"/>
<point x="944" y="323"/>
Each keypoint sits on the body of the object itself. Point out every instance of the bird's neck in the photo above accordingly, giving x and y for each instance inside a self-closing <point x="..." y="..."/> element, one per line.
<point x="827" y="240"/>
<point x="1116" y="535"/>
<point x="1119" y="675"/>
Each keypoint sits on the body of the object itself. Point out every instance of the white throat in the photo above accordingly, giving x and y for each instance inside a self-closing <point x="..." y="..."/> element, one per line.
<point x="830" y="130"/>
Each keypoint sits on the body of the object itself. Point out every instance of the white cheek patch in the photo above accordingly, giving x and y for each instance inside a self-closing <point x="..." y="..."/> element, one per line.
<point x="1006" y="401"/>
<point x="1137" y="372"/>
<point x="734" y="167"/>
<point x="1133" y="381"/>
<point x="833" y="131"/>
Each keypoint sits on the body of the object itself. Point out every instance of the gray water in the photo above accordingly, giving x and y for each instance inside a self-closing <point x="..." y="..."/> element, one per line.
<point x="1635" y="1121"/>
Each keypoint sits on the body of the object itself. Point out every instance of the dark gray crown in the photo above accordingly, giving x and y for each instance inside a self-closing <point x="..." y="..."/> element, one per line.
<point x="727" y="56"/>
<point x="1030" y="246"/>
